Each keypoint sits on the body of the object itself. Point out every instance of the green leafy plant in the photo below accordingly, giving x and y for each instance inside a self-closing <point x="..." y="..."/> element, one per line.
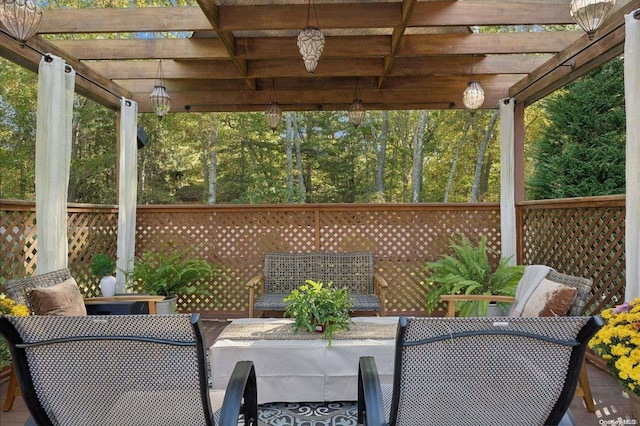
<point x="315" y="304"/>
<point x="468" y="271"/>
<point x="169" y="272"/>
<point x="102" y="265"/>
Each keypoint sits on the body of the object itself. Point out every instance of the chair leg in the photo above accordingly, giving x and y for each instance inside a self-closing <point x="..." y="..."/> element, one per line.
<point x="13" y="390"/>
<point x="584" y="389"/>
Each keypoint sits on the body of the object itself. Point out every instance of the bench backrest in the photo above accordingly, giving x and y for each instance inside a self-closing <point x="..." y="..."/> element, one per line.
<point x="284" y="272"/>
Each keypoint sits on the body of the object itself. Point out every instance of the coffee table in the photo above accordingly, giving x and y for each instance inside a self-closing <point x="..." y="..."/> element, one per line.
<point x="302" y="367"/>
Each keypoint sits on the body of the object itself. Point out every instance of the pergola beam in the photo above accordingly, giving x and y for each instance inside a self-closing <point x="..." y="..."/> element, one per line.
<point x="336" y="47"/>
<point x="577" y="59"/>
<point x="293" y="16"/>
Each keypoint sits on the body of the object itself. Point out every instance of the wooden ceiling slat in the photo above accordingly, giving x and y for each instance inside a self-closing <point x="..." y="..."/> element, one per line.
<point x="171" y="69"/>
<point x="486" y="43"/>
<point x="278" y="17"/>
<point x="144" y="49"/>
<point x="130" y="20"/>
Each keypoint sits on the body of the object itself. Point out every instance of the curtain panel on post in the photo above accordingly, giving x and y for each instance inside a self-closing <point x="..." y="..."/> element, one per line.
<point x="507" y="181"/>
<point x="127" y="191"/>
<point x="632" y="105"/>
<point x="56" y="87"/>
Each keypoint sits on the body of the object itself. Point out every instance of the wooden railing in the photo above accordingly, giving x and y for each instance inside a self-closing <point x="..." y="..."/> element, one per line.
<point x="402" y="237"/>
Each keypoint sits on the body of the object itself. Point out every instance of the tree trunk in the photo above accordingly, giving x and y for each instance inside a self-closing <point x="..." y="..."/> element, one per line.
<point x="381" y="151"/>
<point x="301" y="187"/>
<point x="418" y="156"/>
<point x="289" y="149"/>
<point x="481" y="153"/>
<point x="454" y="163"/>
<point x="213" y="160"/>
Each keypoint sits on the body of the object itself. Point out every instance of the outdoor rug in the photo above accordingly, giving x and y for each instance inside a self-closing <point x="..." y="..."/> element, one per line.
<point x="308" y="414"/>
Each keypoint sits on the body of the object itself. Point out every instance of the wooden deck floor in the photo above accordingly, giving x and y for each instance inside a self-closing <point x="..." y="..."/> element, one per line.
<point x="611" y="406"/>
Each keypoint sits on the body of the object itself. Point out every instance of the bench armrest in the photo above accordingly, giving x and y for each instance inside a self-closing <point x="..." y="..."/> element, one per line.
<point x="379" y="286"/>
<point x="451" y="300"/>
<point x="254" y="283"/>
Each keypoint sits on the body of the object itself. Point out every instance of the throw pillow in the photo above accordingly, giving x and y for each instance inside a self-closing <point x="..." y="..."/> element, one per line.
<point x="549" y="299"/>
<point x="61" y="299"/>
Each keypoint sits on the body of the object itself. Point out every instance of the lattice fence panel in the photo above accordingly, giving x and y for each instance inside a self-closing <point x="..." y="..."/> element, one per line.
<point x="584" y="239"/>
<point x="580" y="240"/>
<point x="237" y="240"/>
<point x="90" y="231"/>
<point x="17" y="241"/>
<point x="403" y="241"/>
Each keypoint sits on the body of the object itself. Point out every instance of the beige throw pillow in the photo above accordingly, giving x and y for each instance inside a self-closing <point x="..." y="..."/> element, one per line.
<point x="550" y="299"/>
<point x="61" y="299"/>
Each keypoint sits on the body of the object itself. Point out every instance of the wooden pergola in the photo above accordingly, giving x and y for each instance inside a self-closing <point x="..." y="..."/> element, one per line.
<point x="228" y="55"/>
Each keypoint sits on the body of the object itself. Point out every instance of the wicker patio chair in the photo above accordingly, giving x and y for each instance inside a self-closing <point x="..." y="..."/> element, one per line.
<point x="478" y="371"/>
<point x="18" y="290"/>
<point x="133" y="370"/>
<point x="583" y="290"/>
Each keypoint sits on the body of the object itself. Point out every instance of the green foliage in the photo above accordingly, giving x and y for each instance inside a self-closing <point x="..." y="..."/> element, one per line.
<point x="468" y="271"/>
<point x="102" y="265"/>
<point x="170" y="272"/>
<point x="314" y="304"/>
<point x="582" y="150"/>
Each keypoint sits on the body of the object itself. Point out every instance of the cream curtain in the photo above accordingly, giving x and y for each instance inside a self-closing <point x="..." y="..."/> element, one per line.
<point x="127" y="191"/>
<point x="53" y="160"/>
<point x="632" y="105"/>
<point x="507" y="185"/>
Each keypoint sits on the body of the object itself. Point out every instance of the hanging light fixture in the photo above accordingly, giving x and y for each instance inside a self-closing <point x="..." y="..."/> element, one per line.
<point x="356" y="110"/>
<point x="311" y="42"/>
<point x="273" y="113"/>
<point x="473" y="95"/>
<point x="159" y="99"/>
<point x="589" y="14"/>
<point x="21" y="18"/>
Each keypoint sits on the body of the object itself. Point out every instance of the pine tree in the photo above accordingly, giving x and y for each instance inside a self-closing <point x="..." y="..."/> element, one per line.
<point x="582" y="151"/>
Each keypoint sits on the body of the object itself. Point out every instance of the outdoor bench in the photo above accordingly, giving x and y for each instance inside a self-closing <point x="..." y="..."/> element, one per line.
<point x="284" y="272"/>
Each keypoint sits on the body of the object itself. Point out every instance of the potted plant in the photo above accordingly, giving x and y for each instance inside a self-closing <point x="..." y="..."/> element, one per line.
<point x="103" y="267"/>
<point x="167" y="273"/>
<point x="618" y="344"/>
<point x="316" y="307"/>
<point x="468" y="271"/>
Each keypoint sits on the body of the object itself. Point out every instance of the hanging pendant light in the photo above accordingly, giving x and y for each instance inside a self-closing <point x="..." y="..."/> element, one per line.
<point x="21" y="18"/>
<point x="473" y="96"/>
<point x="273" y="113"/>
<point x="356" y="110"/>
<point x="311" y="42"/>
<point x="589" y="14"/>
<point x="159" y="99"/>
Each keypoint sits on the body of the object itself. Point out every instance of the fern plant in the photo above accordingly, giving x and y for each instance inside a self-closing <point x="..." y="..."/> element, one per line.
<point x="468" y="271"/>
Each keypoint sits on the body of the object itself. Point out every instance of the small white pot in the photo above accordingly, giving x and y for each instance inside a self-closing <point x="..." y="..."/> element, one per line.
<point x="108" y="286"/>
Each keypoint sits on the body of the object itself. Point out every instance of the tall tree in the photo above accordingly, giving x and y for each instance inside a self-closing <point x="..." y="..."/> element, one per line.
<point x="475" y="188"/>
<point x="418" y="156"/>
<point x="381" y="154"/>
<point x="582" y="151"/>
<point x="456" y="156"/>
<point x="213" y="159"/>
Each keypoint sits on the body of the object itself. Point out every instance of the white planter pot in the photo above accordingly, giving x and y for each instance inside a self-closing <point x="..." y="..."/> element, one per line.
<point x="167" y="306"/>
<point x="108" y="286"/>
<point x="495" y="310"/>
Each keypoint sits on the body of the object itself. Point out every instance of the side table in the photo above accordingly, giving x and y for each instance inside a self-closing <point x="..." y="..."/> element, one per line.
<point x="151" y="300"/>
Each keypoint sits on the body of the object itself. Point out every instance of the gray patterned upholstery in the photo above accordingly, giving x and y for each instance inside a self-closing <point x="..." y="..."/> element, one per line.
<point x="479" y="371"/>
<point x="133" y="370"/>
<point x="284" y="272"/>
